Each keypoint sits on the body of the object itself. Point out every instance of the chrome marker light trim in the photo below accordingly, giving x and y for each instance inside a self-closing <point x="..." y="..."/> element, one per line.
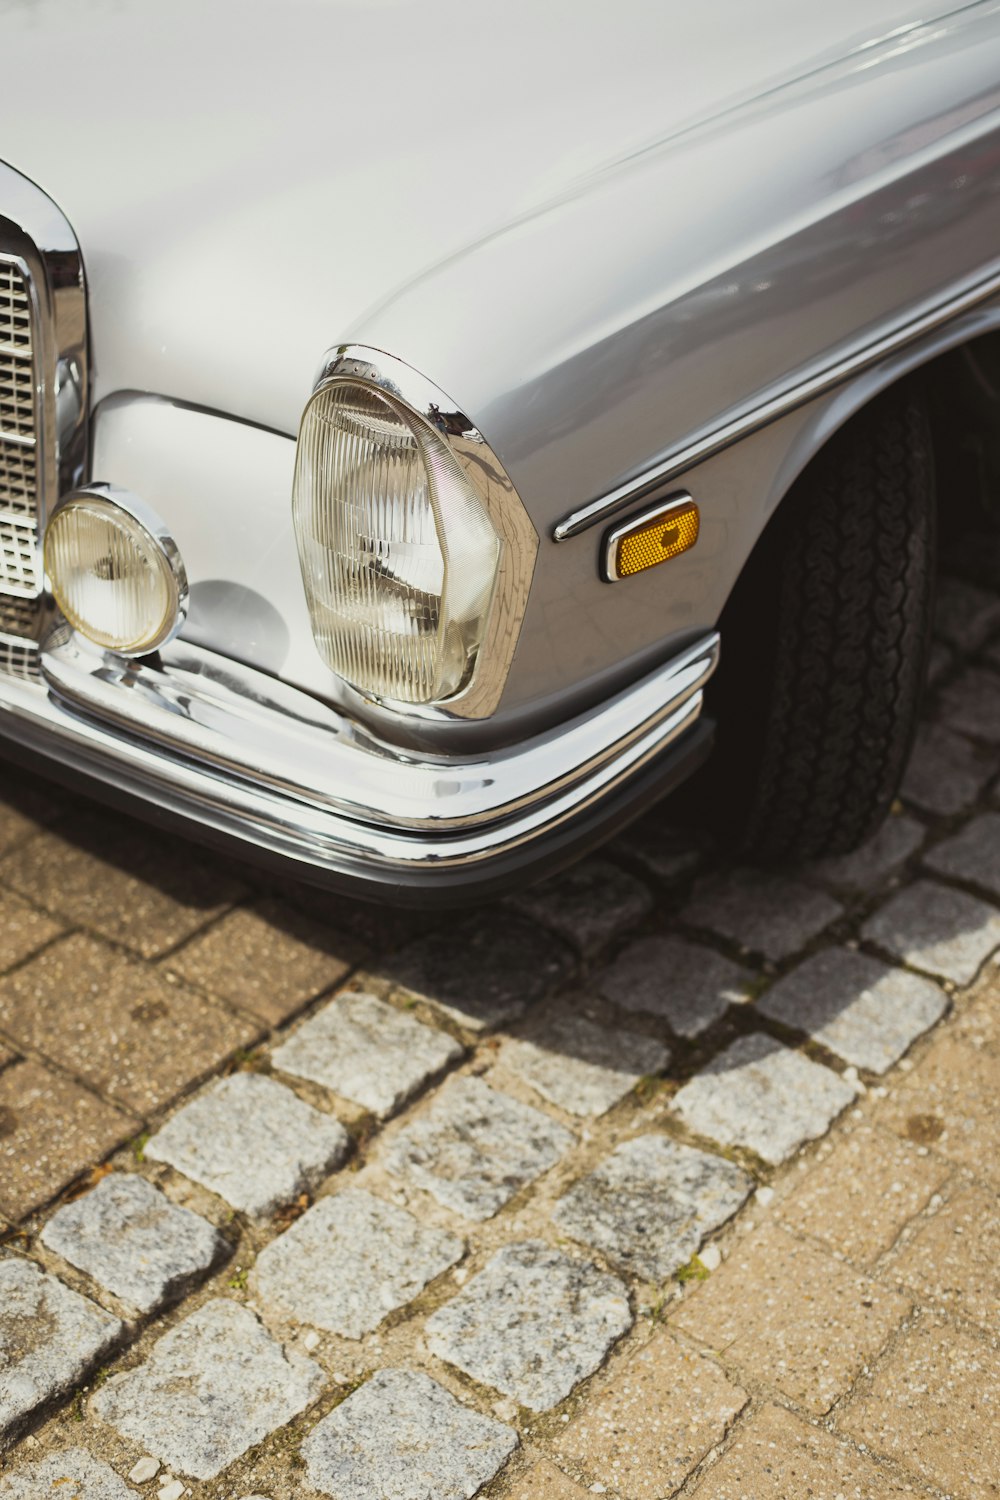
<point x="491" y="482"/>
<point x="157" y="529"/>
<point x="610" y="571"/>
<point x="823" y="379"/>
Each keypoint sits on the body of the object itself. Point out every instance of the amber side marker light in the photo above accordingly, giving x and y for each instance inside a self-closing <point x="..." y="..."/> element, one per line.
<point x="652" y="538"/>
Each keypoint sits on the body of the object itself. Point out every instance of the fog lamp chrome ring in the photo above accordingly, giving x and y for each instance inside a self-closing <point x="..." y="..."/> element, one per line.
<point x="115" y="571"/>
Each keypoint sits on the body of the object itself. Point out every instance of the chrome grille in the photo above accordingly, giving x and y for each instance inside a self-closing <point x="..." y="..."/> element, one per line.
<point x="20" y="575"/>
<point x="17" y="616"/>
<point x="19" y="659"/>
<point x="17" y="479"/>
<point x="15" y="310"/>
<point x="18" y="652"/>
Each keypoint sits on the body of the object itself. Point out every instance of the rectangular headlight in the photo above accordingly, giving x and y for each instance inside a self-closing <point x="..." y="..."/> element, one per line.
<point x="399" y="555"/>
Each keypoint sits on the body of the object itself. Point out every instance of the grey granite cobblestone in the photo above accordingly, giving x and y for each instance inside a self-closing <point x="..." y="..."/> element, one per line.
<point x="972" y="855"/>
<point x="588" y="904"/>
<point x="532" y="1324"/>
<point x="72" y="1474"/>
<point x="650" y="1204"/>
<point x="867" y="867"/>
<point x="971" y="704"/>
<point x="474" y="1147"/>
<point x="764" y="1096"/>
<point x="368" y="1051"/>
<point x="583" y="1068"/>
<point x="772" y="914"/>
<point x="404" y="1437"/>
<point x="212" y="1387"/>
<point x="483" y="971"/>
<point x="249" y="1139"/>
<point x="350" y="1261"/>
<point x="667" y="853"/>
<point x="946" y="772"/>
<point x="863" y="1010"/>
<point x="937" y="928"/>
<point x="685" y="984"/>
<point x="50" y="1340"/>
<point x="134" y="1242"/>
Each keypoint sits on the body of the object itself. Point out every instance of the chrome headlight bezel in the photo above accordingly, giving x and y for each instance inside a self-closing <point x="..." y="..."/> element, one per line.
<point x="485" y="475"/>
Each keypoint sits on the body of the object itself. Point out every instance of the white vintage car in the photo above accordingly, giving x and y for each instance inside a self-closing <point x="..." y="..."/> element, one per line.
<point x="400" y="402"/>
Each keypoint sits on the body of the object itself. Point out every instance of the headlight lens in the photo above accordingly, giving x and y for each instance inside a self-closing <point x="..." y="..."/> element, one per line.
<point x="110" y="577"/>
<point x="399" y="557"/>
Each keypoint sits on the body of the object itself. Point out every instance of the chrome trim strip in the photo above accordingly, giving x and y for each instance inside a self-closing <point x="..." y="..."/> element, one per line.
<point x="822" y="380"/>
<point x="642" y="518"/>
<point x="519" y="539"/>
<point x="194" y="714"/>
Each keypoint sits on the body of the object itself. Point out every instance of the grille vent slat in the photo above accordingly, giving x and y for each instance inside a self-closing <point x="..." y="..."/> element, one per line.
<point x="20" y="659"/>
<point x="20" y="576"/>
<point x="15" y="311"/>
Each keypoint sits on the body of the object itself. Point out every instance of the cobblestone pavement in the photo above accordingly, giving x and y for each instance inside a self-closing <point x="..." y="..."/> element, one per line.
<point x="665" y="1178"/>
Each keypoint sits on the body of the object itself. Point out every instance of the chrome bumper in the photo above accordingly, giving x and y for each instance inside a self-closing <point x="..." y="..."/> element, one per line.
<point x="193" y="737"/>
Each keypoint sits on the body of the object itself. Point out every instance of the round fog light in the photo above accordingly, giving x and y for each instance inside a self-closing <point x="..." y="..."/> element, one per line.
<point x="115" y="571"/>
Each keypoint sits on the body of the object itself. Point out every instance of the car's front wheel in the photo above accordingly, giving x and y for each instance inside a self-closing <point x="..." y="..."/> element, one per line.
<point x="825" y="641"/>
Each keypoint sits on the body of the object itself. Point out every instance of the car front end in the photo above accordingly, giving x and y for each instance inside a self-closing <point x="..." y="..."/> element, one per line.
<point x="406" y="587"/>
<point x="374" y="489"/>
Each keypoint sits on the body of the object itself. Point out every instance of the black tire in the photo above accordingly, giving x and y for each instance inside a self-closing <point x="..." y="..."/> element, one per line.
<point x="824" y="644"/>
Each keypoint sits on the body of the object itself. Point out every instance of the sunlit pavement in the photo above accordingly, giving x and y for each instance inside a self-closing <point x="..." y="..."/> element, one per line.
<point x="666" y="1177"/>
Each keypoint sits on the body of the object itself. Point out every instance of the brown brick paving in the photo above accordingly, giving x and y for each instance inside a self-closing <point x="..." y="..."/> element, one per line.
<point x="953" y="1259"/>
<point x="24" y="810"/>
<point x="123" y="883"/>
<point x="862" y="1193"/>
<point x="381" y="928"/>
<point x="979" y="1022"/>
<point x="793" y="1316"/>
<point x="51" y="1130"/>
<point x="934" y="1405"/>
<point x="778" y="1456"/>
<point x="544" y="1481"/>
<point x="268" y="959"/>
<point x="23" y="930"/>
<point x="662" y="1412"/>
<point x="118" y="1025"/>
<point x="949" y="1102"/>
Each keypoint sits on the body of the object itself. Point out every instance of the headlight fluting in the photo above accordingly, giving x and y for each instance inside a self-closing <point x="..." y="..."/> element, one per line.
<point x="399" y="557"/>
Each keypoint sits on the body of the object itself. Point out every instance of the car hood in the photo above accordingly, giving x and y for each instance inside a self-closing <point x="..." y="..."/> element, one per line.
<point x="253" y="181"/>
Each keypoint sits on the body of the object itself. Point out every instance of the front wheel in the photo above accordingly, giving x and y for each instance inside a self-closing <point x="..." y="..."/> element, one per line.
<point x="824" y="644"/>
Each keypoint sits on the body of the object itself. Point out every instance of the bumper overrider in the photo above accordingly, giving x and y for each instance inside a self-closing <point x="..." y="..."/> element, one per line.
<point x="239" y="759"/>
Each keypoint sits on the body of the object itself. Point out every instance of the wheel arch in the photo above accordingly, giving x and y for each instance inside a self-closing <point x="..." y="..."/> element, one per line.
<point x="933" y="359"/>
